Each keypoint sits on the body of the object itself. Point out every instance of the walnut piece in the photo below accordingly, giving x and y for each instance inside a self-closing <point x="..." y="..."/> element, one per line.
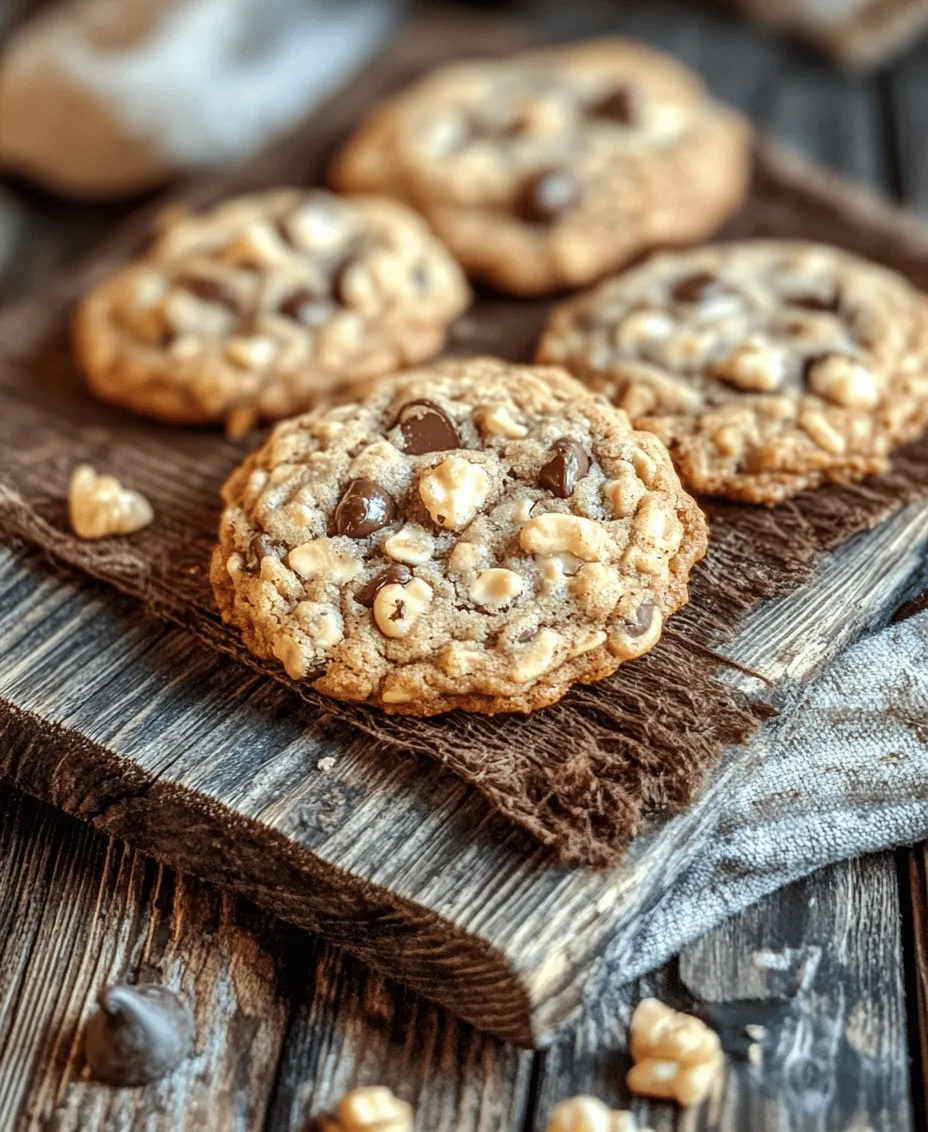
<point x="454" y="492"/>
<point x="587" y="1114"/>
<point x="677" y="1057"/>
<point x="555" y="533"/>
<point x="371" y="1109"/>
<point x="100" y="506"/>
<point x="398" y="607"/>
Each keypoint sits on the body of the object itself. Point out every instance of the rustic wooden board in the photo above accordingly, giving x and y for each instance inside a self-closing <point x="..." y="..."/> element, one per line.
<point x="285" y="1024"/>
<point x="819" y="965"/>
<point x="217" y="771"/>
<point x="79" y="910"/>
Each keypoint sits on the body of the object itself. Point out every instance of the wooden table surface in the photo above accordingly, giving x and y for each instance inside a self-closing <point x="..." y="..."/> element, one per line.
<point x="285" y="1024"/>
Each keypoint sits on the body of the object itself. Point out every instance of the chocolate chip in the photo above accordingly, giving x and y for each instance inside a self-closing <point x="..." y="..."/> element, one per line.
<point x="814" y="302"/>
<point x="364" y="508"/>
<point x="307" y="307"/>
<point x="568" y="464"/>
<point x="426" y="427"/>
<point x="548" y="196"/>
<point x="138" y="1035"/>
<point x="210" y="291"/>
<point x="699" y="287"/>
<point x="618" y="105"/>
<point x="263" y="546"/>
<point x="395" y="575"/>
<point x="638" y="625"/>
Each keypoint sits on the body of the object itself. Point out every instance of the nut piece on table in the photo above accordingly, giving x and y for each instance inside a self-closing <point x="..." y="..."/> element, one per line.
<point x="371" y="1109"/>
<point x="677" y="1057"/>
<point x="99" y="506"/>
<point x="587" y="1114"/>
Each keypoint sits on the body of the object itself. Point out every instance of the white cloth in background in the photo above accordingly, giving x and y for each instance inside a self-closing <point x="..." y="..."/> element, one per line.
<point x="849" y="775"/>
<point x="105" y="97"/>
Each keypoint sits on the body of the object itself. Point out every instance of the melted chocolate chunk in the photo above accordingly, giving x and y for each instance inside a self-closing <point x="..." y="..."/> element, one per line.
<point x="395" y="575"/>
<point x="699" y="288"/>
<point x="814" y="302"/>
<point x="568" y="464"/>
<point x="307" y="307"/>
<point x="364" y="508"/>
<point x="263" y="546"/>
<point x="138" y="1035"/>
<point x="548" y="196"/>
<point x="210" y="291"/>
<point x="426" y="427"/>
<point x="638" y="625"/>
<point x="618" y="106"/>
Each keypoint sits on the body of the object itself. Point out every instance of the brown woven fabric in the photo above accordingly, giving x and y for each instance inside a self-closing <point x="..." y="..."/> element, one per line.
<point x="583" y="775"/>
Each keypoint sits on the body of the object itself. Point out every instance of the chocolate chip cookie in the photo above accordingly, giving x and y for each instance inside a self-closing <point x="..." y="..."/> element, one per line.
<point x="551" y="168"/>
<point x="256" y="308"/>
<point x="473" y="535"/>
<point x="765" y="367"/>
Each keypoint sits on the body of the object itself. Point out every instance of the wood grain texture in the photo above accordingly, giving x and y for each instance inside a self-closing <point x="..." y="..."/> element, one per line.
<point x="351" y="1028"/>
<point x="217" y="770"/>
<point x="78" y="911"/>
<point x="819" y="965"/>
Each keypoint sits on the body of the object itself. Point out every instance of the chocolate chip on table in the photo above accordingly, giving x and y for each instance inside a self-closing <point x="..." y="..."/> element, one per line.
<point x="307" y="307"/>
<point x="210" y="291"/>
<point x="569" y="462"/>
<point x="699" y="287"/>
<point x="395" y="575"/>
<point x="638" y="625"/>
<point x="549" y="195"/>
<point x="426" y="427"/>
<point x="618" y="105"/>
<point x="138" y="1035"/>
<point x="365" y="507"/>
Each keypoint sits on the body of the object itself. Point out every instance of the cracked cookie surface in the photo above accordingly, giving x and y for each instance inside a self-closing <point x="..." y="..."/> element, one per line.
<point x="266" y="302"/>
<point x="472" y="535"/>
<point x="766" y="367"/>
<point x="550" y="168"/>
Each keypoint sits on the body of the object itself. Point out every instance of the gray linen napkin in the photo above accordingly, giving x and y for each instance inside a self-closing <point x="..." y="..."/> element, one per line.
<point x="848" y="775"/>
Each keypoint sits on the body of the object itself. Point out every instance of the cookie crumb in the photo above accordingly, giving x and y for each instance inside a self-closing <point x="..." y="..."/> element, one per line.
<point x="99" y="505"/>
<point x="326" y="764"/>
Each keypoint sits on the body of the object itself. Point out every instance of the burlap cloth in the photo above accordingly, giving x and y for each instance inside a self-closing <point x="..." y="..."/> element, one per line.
<point x="581" y="776"/>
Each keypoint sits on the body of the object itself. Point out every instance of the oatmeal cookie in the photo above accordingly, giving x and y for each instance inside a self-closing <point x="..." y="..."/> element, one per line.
<point x="473" y="535"/>
<point x="551" y="168"/>
<point x="256" y="308"/>
<point x="766" y="367"/>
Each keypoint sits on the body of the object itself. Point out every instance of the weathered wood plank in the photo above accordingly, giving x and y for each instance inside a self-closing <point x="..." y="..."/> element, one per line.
<point x="352" y="1027"/>
<point x="819" y="965"/>
<point x="906" y="92"/>
<point x="216" y="770"/>
<point x="77" y="911"/>
<point x="917" y="932"/>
